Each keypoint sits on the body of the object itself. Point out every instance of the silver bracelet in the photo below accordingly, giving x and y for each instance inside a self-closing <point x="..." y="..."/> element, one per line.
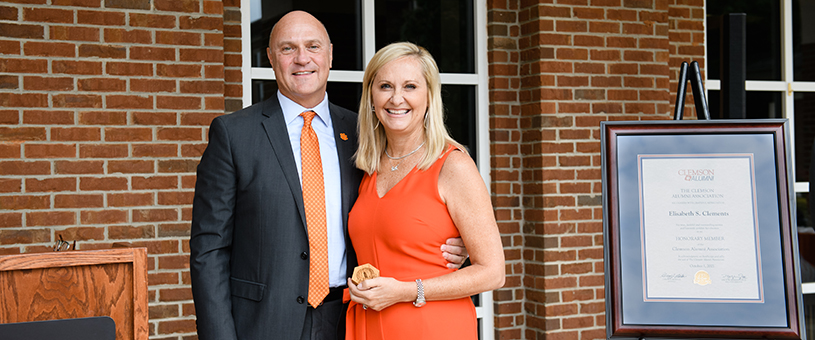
<point x="420" y="301"/>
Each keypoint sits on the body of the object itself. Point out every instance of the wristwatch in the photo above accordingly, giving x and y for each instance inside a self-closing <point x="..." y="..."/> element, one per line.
<point x="420" y="301"/>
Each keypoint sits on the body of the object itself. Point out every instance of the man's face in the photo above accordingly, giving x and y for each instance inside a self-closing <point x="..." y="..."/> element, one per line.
<point x="300" y="53"/>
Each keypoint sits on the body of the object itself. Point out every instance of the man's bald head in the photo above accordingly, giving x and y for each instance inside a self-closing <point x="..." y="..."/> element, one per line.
<point x="297" y="16"/>
<point x="301" y="54"/>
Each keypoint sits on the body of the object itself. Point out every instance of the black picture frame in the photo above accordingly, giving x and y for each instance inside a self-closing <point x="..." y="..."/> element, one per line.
<point x="775" y="312"/>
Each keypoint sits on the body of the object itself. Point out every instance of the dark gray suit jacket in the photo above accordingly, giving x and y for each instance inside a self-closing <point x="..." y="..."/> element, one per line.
<point x="249" y="247"/>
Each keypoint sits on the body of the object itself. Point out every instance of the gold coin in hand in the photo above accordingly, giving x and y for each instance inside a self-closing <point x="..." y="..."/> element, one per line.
<point x="364" y="272"/>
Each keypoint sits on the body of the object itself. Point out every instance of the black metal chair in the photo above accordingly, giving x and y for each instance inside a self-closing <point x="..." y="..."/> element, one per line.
<point x="97" y="328"/>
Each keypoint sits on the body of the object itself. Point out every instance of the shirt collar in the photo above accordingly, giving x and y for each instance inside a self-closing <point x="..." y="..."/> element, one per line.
<point x="291" y="109"/>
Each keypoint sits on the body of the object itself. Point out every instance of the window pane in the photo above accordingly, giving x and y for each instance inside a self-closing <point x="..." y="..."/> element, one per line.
<point x="459" y="109"/>
<point x="804" y="137"/>
<point x="713" y="103"/>
<point x="342" y="19"/>
<point x="443" y="27"/>
<point x="763" y="36"/>
<point x="809" y="313"/>
<point x="806" y="248"/>
<point x="805" y="215"/>
<point x="759" y="104"/>
<point x="764" y="105"/>
<point x="803" y="40"/>
<point x="480" y="329"/>
<point x="343" y="94"/>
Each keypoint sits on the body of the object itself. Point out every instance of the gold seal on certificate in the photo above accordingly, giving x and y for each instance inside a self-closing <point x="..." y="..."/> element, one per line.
<point x="364" y="272"/>
<point x="701" y="278"/>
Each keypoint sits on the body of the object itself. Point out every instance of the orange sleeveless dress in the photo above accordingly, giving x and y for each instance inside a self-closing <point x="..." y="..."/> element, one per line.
<point x="401" y="234"/>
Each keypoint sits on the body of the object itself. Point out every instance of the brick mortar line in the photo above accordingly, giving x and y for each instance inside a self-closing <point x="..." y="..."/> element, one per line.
<point x="102" y="10"/>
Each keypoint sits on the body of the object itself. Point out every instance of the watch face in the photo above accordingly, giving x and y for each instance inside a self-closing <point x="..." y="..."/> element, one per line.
<point x="419" y="303"/>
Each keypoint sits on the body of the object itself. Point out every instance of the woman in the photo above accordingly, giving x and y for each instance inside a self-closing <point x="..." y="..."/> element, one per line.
<point x="420" y="188"/>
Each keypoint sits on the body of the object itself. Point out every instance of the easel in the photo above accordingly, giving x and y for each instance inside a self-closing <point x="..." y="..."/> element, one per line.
<point x="698" y="92"/>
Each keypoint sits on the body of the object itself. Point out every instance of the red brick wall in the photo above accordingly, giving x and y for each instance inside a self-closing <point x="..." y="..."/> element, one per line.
<point x="687" y="43"/>
<point x="557" y="69"/>
<point x="105" y="106"/>
<point x="507" y="189"/>
<point x="233" y="77"/>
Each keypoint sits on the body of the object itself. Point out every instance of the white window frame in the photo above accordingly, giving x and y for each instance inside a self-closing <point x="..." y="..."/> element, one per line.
<point x="786" y="85"/>
<point x="479" y="79"/>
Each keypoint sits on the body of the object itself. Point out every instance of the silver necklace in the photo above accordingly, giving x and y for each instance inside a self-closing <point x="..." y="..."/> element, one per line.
<point x="396" y="167"/>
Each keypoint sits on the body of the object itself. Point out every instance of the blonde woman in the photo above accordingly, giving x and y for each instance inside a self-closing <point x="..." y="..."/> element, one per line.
<point x="420" y="188"/>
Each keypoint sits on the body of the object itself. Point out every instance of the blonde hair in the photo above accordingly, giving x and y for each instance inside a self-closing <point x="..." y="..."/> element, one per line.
<point x="372" y="139"/>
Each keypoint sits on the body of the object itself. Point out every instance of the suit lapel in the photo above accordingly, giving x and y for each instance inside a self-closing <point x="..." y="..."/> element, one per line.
<point x="278" y="135"/>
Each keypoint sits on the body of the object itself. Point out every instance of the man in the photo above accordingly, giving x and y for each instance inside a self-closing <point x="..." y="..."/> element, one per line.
<point x="250" y="249"/>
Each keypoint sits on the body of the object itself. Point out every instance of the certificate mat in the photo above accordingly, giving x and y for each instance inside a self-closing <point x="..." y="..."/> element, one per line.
<point x="699" y="228"/>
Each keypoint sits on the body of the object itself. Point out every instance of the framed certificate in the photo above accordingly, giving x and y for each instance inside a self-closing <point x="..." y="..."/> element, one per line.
<point x="698" y="230"/>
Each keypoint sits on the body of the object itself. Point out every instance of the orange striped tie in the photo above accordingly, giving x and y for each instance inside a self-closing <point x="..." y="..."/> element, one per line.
<point x="314" y="202"/>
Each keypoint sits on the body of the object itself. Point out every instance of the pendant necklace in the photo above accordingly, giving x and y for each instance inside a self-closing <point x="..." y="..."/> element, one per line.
<point x="400" y="158"/>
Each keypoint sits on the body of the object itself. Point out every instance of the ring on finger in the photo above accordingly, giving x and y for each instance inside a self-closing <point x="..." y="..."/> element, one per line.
<point x="364" y="306"/>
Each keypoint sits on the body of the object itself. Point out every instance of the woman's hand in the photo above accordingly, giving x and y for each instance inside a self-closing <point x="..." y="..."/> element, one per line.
<point x="381" y="292"/>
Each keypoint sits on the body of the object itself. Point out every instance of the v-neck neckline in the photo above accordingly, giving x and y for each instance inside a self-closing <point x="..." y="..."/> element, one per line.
<point x="376" y="183"/>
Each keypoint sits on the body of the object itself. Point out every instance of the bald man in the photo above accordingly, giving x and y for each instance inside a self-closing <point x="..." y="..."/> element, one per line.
<point x="249" y="247"/>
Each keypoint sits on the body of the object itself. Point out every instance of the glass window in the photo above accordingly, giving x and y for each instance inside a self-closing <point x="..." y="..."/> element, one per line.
<point x="343" y="94"/>
<point x="263" y="89"/>
<point x="809" y="313"/>
<point x="804" y="136"/>
<point x="803" y="40"/>
<point x="759" y="104"/>
<point x="342" y="19"/>
<point x="713" y="103"/>
<point x="443" y="27"/>
<point x="764" y="105"/>
<point x="763" y="37"/>
<point x="459" y="105"/>
<point x="480" y="329"/>
<point x="806" y="249"/>
<point x="804" y="216"/>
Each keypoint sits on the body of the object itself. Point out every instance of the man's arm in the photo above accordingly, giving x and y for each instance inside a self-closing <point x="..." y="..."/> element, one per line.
<point x="455" y="253"/>
<point x="211" y="238"/>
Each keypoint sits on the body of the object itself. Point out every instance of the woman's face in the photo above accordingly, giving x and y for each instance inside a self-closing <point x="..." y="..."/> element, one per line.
<point x="400" y="93"/>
